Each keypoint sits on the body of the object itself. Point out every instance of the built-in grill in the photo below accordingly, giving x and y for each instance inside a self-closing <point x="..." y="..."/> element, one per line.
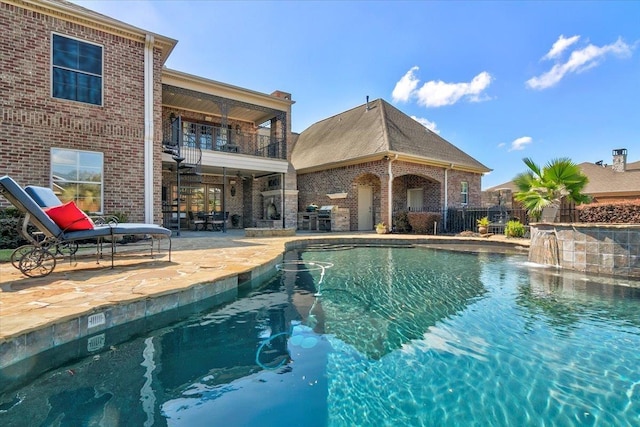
<point x="324" y="217"/>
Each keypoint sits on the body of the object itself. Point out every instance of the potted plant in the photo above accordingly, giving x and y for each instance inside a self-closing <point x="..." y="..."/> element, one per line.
<point x="381" y="228"/>
<point x="483" y="224"/>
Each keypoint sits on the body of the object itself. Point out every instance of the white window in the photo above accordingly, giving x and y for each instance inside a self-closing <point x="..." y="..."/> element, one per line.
<point x="76" y="70"/>
<point x="415" y="201"/>
<point x="464" y="192"/>
<point x="78" y="175"/>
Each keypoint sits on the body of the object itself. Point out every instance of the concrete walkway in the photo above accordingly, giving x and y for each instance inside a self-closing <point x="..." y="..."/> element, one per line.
<point x="39" y="313"/>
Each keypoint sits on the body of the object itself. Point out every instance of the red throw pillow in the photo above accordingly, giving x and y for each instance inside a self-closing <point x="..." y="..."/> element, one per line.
<point x="69" y="218"/>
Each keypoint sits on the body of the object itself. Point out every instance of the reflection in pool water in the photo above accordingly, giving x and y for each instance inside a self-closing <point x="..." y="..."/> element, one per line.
<point x="369" y="337"/>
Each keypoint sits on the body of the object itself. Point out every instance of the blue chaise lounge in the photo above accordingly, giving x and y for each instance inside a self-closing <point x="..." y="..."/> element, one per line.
<point x="38" y="258"/>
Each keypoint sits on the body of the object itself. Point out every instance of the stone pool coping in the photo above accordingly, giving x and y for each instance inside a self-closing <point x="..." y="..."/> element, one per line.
<point x="83" y="299"/>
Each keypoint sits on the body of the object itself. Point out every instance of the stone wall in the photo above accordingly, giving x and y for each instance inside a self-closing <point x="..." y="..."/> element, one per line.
<point x="591" y="248"/>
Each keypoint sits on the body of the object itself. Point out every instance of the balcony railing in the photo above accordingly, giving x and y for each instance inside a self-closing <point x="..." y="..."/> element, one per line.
<point x="186" y="137"/>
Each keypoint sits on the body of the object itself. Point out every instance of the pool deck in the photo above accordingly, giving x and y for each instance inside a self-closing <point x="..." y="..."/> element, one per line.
<point x="39" y="313"/>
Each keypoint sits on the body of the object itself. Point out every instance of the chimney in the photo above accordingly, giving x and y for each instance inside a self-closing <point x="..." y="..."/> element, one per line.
<point x="367" y="102"/>
<point x="619" y="160"/>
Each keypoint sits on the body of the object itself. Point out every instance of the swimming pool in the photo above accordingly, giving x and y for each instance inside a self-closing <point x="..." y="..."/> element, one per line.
<point x="362" y="336"/>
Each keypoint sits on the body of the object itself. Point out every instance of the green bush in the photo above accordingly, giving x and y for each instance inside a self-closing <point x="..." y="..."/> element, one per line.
<point x="514" y="228"/>
<point x="10" y="223"/>
<point x="401" y="222"/>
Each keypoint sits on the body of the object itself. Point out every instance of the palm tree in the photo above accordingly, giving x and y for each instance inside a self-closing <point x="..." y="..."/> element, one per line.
<point x="540" y="188"/>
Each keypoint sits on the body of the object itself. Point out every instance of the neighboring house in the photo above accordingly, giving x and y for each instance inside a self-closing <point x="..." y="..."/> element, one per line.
<point x="375" y="160"/>
<point x="607" y="183"/>
<point x="88" y="108"/>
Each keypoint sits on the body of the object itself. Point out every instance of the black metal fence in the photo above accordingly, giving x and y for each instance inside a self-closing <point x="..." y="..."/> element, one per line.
<point x="465" y="219"/>
<point x="457" y="220"/>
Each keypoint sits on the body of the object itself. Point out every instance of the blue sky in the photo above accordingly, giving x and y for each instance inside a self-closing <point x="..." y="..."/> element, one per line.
<point x="500" y="80"/>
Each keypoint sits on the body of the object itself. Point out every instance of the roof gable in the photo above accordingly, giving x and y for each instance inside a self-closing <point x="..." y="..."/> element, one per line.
<point x="375" y="128"/>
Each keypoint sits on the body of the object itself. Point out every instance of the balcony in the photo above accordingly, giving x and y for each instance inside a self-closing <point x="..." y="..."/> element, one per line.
<point x="189" y="140"/>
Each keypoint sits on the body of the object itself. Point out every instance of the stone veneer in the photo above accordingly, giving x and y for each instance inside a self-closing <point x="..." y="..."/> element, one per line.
<point x="592" y="248"/>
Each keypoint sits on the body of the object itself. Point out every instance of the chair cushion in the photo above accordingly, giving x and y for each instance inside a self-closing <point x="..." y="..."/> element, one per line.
<point x="43" y="196"/>
<point x="69" y="218"/>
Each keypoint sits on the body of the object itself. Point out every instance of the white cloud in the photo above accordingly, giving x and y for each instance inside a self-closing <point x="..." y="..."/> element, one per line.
<point x="502" y="144"/>
<point x="439" y="93"/>
<point x="579" y="60"/>
<point x="426" y="123"/>
<point x="560" y="46"/>
<point x="405" y="86"/>
<point x="519" y="144"/>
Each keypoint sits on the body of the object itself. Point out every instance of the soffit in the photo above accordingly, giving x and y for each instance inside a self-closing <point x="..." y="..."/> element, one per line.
<point x="193" y="93"/>
<point x="216" y="163"/>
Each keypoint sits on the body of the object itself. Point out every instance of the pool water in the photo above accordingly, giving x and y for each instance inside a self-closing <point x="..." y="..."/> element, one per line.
<point x="370" y="337"/>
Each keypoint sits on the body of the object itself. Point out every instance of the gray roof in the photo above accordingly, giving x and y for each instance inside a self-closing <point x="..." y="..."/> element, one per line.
<point x="362" y="133"/>
<point x="602" y="179"/>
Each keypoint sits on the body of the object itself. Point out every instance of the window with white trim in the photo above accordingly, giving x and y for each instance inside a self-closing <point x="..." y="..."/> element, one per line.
<point x="464" y="192"/>
<point x="78" y="175"/>
<point x="76" y="70"/>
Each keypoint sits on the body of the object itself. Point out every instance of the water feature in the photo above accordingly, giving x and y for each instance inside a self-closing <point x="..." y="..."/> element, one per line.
<point x="369" y="337"/>
<point x="544" y="248"/>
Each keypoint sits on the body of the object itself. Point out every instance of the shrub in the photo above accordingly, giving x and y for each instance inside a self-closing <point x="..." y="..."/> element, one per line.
<point x="10" y="225"/>
<point x="514" y="228"/>
<point x="621" y="212"/>
<point x="401" y="222"/>
<point x="423" y="222"/>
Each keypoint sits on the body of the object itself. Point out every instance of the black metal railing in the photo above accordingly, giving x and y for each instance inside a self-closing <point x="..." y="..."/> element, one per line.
<point x="190" y="139"/>
<point x="457" y="220"/>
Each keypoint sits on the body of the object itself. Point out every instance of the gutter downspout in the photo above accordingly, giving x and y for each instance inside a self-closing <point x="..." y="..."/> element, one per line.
<point x="148" y="129"/>
<point x="282" y="208"/>
<point x="390" y="192"/>
<point x="446" y="195"/>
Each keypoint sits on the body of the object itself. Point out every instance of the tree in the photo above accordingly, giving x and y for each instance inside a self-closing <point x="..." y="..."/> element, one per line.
<point x="540" y="188"/>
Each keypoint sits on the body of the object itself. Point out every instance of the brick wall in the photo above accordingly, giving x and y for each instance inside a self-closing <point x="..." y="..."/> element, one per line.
<point x="32" y="122"/>
<point x="314" y="187"/>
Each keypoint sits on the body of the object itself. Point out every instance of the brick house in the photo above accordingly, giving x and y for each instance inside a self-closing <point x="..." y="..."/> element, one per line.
<point x="374" y="160"/>
<point x="80" y="106"/>
<point x="89" y="109"/>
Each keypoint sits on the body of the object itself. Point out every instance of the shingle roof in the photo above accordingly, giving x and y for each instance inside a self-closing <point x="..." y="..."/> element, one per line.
<point x="602" y="180"/>
<point x="381" y="129"/>
<point x="606" y="180"/>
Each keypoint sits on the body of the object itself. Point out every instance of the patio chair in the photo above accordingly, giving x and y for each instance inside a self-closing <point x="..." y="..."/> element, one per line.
<point x="218" y="220"/>
<point x="498" y="217"/>
<point x="198" y="222"/>
<point x="38" y="258"/>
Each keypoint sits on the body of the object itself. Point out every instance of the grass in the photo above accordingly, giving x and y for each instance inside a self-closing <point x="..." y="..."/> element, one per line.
<point x="5" y="255"/>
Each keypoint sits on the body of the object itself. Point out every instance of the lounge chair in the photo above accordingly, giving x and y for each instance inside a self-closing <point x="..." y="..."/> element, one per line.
<point x="38" y="258"/>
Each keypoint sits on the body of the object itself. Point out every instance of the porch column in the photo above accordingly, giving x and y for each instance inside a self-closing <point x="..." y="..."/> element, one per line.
<point x="389" y="201"/>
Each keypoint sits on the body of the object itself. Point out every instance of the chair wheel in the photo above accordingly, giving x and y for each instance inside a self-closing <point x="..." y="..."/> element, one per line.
<point x="38" y="262"/>
<point x="19" y="253"/>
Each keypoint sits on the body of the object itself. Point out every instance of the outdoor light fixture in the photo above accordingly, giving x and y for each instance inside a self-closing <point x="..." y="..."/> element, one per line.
<point x="233" y="187"/>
